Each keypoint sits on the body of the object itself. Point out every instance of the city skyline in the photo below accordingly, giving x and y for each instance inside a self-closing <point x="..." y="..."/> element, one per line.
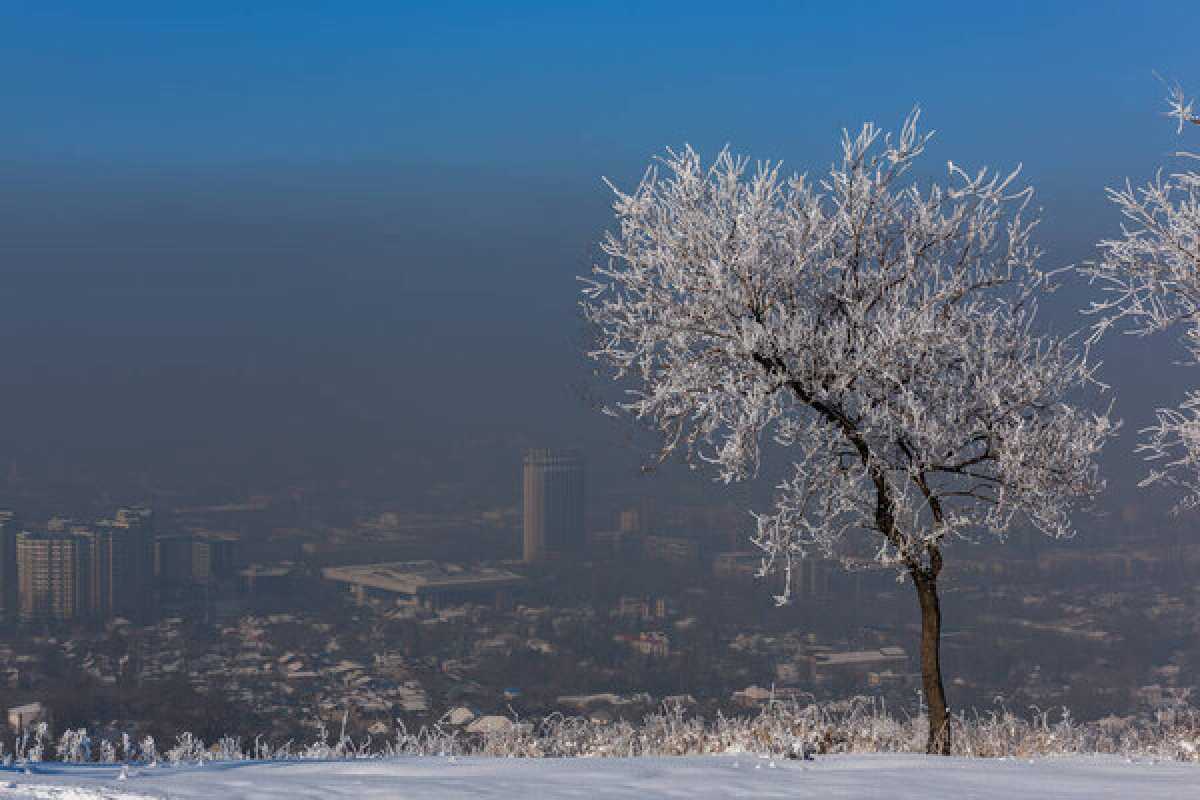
<point x="260" y="297"/>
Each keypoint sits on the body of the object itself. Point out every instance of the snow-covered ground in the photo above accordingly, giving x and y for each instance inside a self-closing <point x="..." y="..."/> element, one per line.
<point x="894" y="777"/>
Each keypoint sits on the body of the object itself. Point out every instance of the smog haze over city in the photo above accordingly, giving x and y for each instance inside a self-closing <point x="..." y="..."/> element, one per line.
<point x="297" y="367"/>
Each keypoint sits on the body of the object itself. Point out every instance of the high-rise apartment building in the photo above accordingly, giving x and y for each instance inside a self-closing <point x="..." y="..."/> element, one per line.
<point x="50" y="568"/>
<point x="184" y="559"/>
<point x="73" y="572"/>
<point x="553" y="504"/>
<point x="127" y="569"/>
<point x="9" y="528"/>
<point x="90" y="578"/>
<point x="173" y="560"/>
<point x="214" y="556"/>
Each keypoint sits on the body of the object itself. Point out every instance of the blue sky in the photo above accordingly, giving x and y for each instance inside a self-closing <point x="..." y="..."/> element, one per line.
<point x="546" y="87"/>
<point x="363" y="213"/>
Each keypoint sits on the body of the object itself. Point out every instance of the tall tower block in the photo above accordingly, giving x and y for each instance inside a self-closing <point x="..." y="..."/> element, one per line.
<point x="553" y="483"/>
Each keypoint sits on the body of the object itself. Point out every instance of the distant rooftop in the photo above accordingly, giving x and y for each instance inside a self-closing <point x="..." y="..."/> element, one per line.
<point x="860" y="656"/>
<point x="423" y="577"/>
<point x="280" y="570"/>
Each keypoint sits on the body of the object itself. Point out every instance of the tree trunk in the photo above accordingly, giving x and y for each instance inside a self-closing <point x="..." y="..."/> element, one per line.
<point x="931" y="665"/>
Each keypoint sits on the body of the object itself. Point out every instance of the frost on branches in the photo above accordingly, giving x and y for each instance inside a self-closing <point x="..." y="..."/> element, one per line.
<point x="1151" y="280"/>
<point x="880" y="332"/>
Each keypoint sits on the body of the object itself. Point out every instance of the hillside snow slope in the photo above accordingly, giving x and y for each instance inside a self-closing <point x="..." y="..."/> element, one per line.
<point x="890" y="777"/>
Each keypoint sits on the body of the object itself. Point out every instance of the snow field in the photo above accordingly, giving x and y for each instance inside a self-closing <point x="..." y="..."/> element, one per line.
<point x="895" y="777"/>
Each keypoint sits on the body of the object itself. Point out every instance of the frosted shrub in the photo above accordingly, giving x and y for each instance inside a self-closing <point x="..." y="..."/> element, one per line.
<point x="228" y="748"/>
<point x="149" y="751"/>
<point x="187" y="748"/>
<point x="74" y="746"/>
<point x="33" y="745"/>
<point x="319" y="748"/>
<point x="781" y="729"/>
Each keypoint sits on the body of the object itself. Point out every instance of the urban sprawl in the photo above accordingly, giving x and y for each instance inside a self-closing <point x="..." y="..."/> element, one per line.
<point x="260" y="618"/>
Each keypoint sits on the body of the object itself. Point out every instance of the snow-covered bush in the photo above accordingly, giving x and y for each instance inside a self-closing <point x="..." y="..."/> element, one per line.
<point x="31" y="744"/>
<point x="148" y="751"/>
<point x="187" y="748"/>
<point x="228" y="748"/>
<point x="75" y="746"/>
<point x="782" y="729"/>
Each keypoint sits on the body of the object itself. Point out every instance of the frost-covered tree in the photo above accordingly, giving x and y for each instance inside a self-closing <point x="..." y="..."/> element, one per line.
<point x="75" y="746"/>
<point x="881" y="334"/>
<point x="1151" y="281"/>
<point x="148" y="751"/>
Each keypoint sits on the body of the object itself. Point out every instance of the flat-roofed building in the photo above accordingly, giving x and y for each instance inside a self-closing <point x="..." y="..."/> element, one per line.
<point x="739" y="564"/>
<point x="425" y="581"/>
<point x="857" y="663"/>
<point x="676" y="550"/>
<point x="267" y="578"/>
